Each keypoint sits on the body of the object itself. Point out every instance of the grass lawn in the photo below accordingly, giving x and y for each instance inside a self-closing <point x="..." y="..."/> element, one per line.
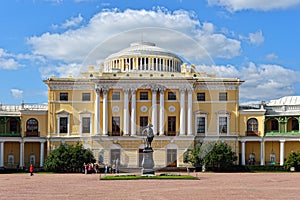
<point x="139" y="177"/>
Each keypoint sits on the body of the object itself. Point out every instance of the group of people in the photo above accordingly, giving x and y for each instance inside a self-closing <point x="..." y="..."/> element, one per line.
<point x="113" y="168"/>
<point x="90" y="168"/>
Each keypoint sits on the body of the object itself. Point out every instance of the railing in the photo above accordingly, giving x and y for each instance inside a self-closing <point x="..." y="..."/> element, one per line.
<point x="10" y="134"/>
<point x="253" y="133"/>
<point x="32" y="134"/>
<point x="17" y="108"/>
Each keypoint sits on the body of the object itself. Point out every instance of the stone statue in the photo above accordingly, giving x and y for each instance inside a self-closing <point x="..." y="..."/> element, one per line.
<point x="149" y="132"/>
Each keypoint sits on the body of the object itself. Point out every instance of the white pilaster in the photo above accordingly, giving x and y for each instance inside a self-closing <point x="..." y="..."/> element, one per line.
<point x="262" y="152"/>
<point x="190" y="112"/>
<point x="97" y="112"/>
<point x="21" y="154"/>
<point x="281" y="152"/>
<point x="105" y="113"/>
<point x="154" y="111"/>
<point x="42" y="154"/>
<point x="1" y="154"/>
<point x="133" y="112"/>
<point x="182" y="111"/>
<point x="243" y="153"/>
<point x="126" y="113"/>
<point x="161" y="111"/>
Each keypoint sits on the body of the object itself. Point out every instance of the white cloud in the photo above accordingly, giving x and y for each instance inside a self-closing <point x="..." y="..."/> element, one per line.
<point x="265" y="5"/>
<point x="60" y="70"/>
<point x="16" y="93"/>
<point x="70" y="23"/>
<point x="256" y="38"/>
<point x="159" y="25"/>
<point x="262" y="82"/>
<point x="8" y="61"/>
<point x="271" y="56"/>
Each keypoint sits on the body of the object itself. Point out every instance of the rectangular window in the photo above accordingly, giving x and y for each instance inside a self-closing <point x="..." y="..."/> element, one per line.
<point x="222" y="124"/>
<point x="86" y="124"/>
<point x="63" y="96"/>
<point x="171" y="126"/>
<point x="115" y="126"/>
<point x="200" y="124"/>
<point x="116" y="96"/>
<point x="171" y="157"/>
<point x="86" y="96"/>
<point x="201" y="96"/>
<point x="295" y="125"/>
<point x="171" y="95"/>
<point x="63" y="125"/>
<point x="143" y="95"/>
<point x="143" y="123"/>
<point x="223" y="96"/>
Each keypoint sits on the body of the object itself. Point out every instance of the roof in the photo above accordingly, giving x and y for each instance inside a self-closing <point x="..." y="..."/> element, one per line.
<point x="288" y="100"/>
<point x="143" y="49"/>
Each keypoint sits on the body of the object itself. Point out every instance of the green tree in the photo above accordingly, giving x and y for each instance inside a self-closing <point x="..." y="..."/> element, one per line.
<point x="293" y="160"/>
<point x="68" y="158"/>
<point x="216" y="155"/>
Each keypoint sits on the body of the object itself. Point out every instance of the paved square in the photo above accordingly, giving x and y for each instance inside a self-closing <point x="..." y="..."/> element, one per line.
<point x="210" y="186"/>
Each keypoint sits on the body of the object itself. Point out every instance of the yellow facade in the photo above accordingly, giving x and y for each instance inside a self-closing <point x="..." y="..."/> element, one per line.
<point x="108" y="110"/>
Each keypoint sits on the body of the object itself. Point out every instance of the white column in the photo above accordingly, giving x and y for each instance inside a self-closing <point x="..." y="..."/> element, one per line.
<point x="21" y="154"/>
<point x="262" y="152"/>
<point x="97" y="112"/>
<point x="133" y="112"/>
<point x="42" y="154"/>
<point x="126" y="113"/>
<point x="182" y="111"/>
<point x="281" y="152"/>
<point x="190" y="112"/>
<point x="105" y="116"/>
<point x="161" y="111"/>
<point x="243" y="153"/>
<point x="1" y="154"/>
<point x="154" y="111"/>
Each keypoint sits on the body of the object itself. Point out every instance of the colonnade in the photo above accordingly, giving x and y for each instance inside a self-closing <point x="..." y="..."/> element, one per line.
<point x="21" y="164"/>
<point x="262" y="152"/>
<point x="144" y="64"/>
<point x="157" y="128"/>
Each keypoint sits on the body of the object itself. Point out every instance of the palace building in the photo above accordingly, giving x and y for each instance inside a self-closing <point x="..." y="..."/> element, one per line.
<point x="107" y="110"/>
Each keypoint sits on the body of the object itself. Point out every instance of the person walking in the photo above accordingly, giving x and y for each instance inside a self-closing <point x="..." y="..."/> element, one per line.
<point x="31" y="170"/>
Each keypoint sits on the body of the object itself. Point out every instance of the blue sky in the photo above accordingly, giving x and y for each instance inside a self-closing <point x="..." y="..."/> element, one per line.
<point x="255" y="41"/>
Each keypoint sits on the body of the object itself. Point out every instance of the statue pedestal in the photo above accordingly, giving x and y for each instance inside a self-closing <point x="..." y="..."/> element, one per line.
<point x="148" y="162"/>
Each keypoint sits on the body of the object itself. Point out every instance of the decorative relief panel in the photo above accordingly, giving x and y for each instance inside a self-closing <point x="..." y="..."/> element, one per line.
<point x="171" y="108"/>
<point x="144" y="108"/>
<point x="115" y="109"/>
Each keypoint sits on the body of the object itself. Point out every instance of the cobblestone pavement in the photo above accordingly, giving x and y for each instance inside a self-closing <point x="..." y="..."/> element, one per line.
<point x="210" y="186"/>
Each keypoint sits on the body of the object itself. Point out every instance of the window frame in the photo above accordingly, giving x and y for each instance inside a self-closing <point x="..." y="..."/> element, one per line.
<point x="172" y="96"/>
<point x="199" y="95"/>
<point x="116" y="96"/>
<point x="86" y="96"/>
<point x="144" y="96"/>
<point x="196" y="123"/>
<point x="223" y="96"/>
<point x="64" y="96"/>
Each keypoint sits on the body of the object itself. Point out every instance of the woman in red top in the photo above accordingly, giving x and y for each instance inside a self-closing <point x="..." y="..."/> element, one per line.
<point x="31" y="170"/>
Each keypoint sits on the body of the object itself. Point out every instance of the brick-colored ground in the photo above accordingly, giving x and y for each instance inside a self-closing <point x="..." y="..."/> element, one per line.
<point x="210" y="186"/>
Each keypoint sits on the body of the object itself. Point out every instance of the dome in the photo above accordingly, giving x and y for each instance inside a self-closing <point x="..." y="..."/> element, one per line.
<point x="143" y="49"/>
<point x="143" y="56"/>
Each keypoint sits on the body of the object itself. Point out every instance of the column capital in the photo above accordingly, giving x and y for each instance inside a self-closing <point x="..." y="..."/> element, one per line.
<point x="126" y="90"/>
<point x="133" y="91"/>
<point x="182" y="89"/>
<point x="97" y="90"/>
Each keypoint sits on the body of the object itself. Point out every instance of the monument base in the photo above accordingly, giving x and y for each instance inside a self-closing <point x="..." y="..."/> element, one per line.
<point x="148" y="162"/>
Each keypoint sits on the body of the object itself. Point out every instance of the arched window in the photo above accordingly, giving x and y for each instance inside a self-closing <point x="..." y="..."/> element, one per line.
<point x="13" y="125"/>
<point x="32" y="125"/>
<point x="252" y="126"/>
